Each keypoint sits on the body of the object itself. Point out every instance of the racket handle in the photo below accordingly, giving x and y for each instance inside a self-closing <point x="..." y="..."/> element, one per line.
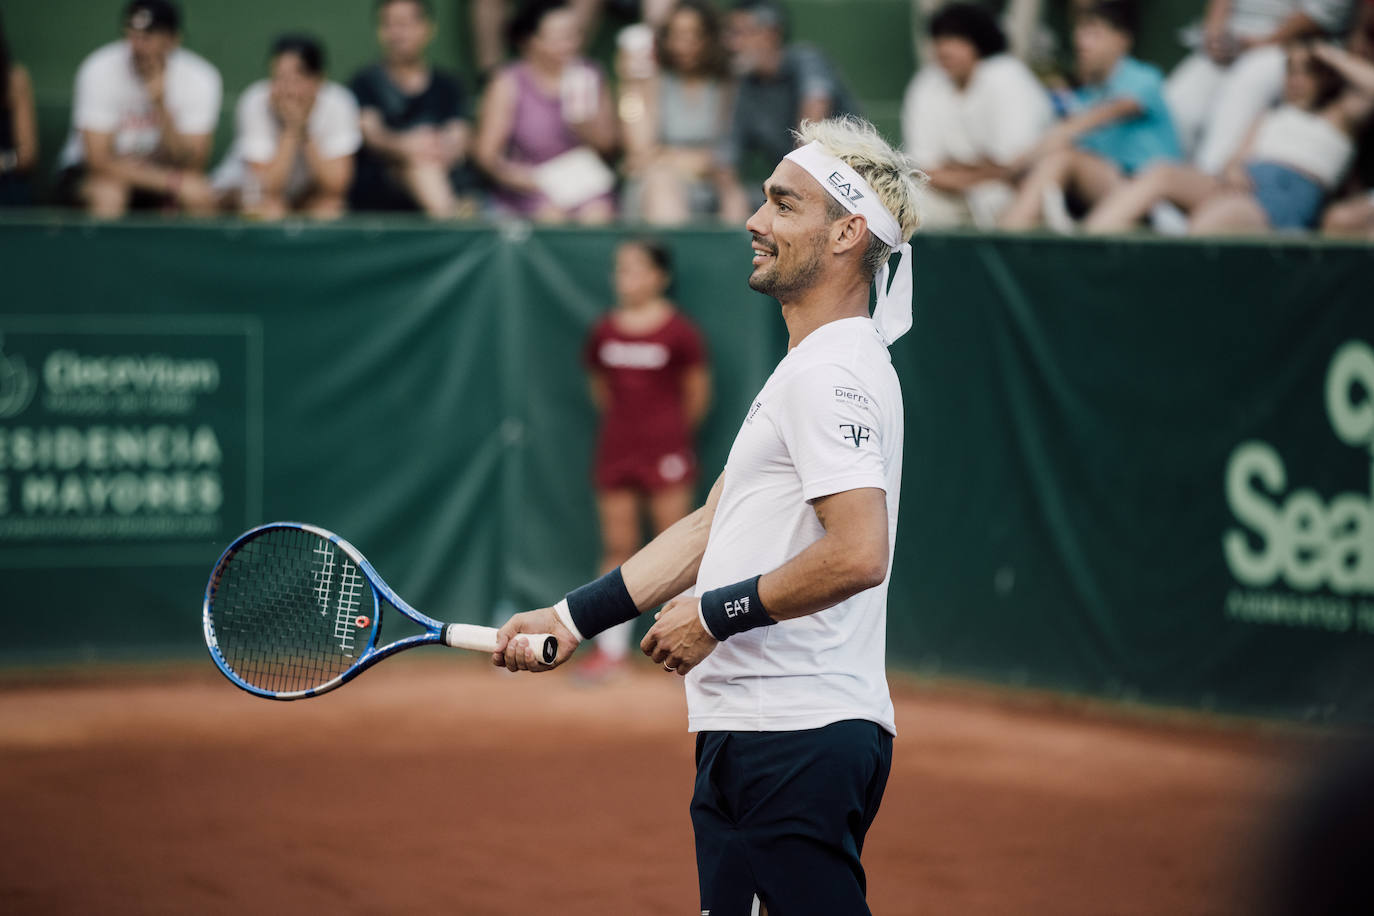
<point x="483" y="639"/>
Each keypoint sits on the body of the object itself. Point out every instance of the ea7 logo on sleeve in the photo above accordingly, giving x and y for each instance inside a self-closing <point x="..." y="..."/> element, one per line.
<point x="849" y="192"/>
<point x="736" y="607"/>
<point x="856" y="434"/>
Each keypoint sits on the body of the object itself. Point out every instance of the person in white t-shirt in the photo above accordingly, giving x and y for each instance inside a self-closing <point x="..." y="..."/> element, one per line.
<point x="968" y="117"/>
<point x="779" y="619"/>
<point x="296" y="136"/>
<point x="143" y="120"/>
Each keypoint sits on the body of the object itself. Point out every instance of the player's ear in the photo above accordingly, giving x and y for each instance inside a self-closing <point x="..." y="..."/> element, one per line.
<point x="847" y="232"/>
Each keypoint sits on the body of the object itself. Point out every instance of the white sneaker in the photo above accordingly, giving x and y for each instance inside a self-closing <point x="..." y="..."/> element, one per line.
<point x="1055" y="211"/>
<point x="1167" y="219"/>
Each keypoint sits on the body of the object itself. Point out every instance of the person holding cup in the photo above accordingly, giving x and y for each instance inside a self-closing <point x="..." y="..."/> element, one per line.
<point x="547" y="125"/>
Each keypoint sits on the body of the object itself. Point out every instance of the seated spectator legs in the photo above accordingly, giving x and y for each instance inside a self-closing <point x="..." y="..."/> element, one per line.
<point x="1229" y="213"/>
<point x="597" y="212"/>
<point x="1088" y="176"/>
<point x="1125" y="206"/>
<point x="1352" y="217"/>
<point x="428" y="183"/>
<point x="111" y="181"/>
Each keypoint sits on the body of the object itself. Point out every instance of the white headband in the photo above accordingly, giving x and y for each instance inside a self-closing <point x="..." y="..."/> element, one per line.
<point x="892" y="314"/>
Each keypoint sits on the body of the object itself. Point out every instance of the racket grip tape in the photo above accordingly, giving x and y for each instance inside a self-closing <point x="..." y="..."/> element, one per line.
<point x="483" y="639"/>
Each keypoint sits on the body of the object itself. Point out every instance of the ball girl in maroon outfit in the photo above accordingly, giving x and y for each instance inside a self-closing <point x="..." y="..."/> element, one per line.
<point x="651" y="385"/>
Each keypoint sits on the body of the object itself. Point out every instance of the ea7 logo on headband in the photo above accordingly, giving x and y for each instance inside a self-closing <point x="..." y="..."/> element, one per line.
<point x="846" y="190"/>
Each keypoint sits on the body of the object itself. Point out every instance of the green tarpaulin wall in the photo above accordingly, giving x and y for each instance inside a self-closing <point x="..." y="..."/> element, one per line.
<point x="1138" y="469"/>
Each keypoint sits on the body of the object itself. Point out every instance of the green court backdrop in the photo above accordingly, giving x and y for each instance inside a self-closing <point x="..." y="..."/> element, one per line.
<point x="1138" y="469"/>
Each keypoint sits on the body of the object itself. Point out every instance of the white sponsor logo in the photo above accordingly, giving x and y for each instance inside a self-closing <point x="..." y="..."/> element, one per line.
<point x="619" y="354"/>
<point x="852" y="396"/>
<point x="1298" y="536"/>
<point x="673" y="468"/>
<point x="68" y="372"/>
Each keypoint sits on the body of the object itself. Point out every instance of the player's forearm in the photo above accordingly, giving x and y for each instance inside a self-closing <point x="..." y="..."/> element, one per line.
<point x="821" y="576"/>
<point x="668" y="564"/>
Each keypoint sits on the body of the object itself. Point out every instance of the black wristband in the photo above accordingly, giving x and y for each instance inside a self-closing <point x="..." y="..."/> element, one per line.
<point x="601" y="604"/>
<point x="734" y="608"/>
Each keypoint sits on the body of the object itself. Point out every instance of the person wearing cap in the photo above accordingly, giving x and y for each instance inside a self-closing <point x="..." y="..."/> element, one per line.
<point x="143" y="120"/>
<point x="780" y="85"/>
<point x="776" y="588"/>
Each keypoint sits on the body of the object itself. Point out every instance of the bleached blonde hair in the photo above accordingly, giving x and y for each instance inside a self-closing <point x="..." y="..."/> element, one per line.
<point x="890" y="172"/>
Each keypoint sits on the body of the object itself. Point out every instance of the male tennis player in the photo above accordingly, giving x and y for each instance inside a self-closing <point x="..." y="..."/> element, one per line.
<point x="783" y="628"/>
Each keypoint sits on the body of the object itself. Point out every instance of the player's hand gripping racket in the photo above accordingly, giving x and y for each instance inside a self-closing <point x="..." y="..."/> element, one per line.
<point x="292" y="611"/>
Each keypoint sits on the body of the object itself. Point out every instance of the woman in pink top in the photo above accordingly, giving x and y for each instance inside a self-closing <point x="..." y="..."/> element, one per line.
<point x="547" y="105"/>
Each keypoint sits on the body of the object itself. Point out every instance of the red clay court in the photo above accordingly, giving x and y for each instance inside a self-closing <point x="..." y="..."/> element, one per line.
<point x="437" y="786"/>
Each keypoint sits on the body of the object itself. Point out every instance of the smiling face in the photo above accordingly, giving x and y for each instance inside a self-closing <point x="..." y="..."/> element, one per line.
<point x="790" y="233"/>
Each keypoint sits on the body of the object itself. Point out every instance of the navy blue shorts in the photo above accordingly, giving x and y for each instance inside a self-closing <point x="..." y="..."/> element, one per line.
<point x="783" y="815"/>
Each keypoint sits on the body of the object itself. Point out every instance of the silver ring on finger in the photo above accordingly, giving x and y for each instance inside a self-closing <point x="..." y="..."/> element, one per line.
<point x="666" y="668"/>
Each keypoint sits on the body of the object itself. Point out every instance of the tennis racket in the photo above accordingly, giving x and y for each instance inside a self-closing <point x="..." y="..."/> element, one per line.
<point x="293" y="611"/>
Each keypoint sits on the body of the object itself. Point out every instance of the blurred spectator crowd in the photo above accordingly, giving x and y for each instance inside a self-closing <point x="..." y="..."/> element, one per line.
<point x="1265" y="125"/>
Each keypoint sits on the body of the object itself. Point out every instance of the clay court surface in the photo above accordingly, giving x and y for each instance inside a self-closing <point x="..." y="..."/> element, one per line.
<point x="429" y="786"/>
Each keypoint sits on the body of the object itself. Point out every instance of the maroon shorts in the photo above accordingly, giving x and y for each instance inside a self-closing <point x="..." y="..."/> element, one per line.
<point x="647" y="473"/>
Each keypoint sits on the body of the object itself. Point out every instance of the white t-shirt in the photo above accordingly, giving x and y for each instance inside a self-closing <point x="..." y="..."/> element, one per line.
<point x="1000" y="114"/>
<point x="828" y="419"/>
<point x="110" y="98"/>
<point x="332" y="125"/>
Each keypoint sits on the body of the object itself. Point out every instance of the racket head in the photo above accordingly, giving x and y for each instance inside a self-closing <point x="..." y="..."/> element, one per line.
<point x="291" y="611"/>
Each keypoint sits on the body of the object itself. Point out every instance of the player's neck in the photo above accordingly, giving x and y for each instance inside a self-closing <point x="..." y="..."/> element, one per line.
<point x="822" y="304"/>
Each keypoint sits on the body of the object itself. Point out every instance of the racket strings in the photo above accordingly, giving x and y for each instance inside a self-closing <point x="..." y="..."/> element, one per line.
<point x="290" y="611"/>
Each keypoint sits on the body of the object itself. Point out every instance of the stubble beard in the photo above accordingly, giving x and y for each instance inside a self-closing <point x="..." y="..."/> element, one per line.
<point x="784" y="286"/>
